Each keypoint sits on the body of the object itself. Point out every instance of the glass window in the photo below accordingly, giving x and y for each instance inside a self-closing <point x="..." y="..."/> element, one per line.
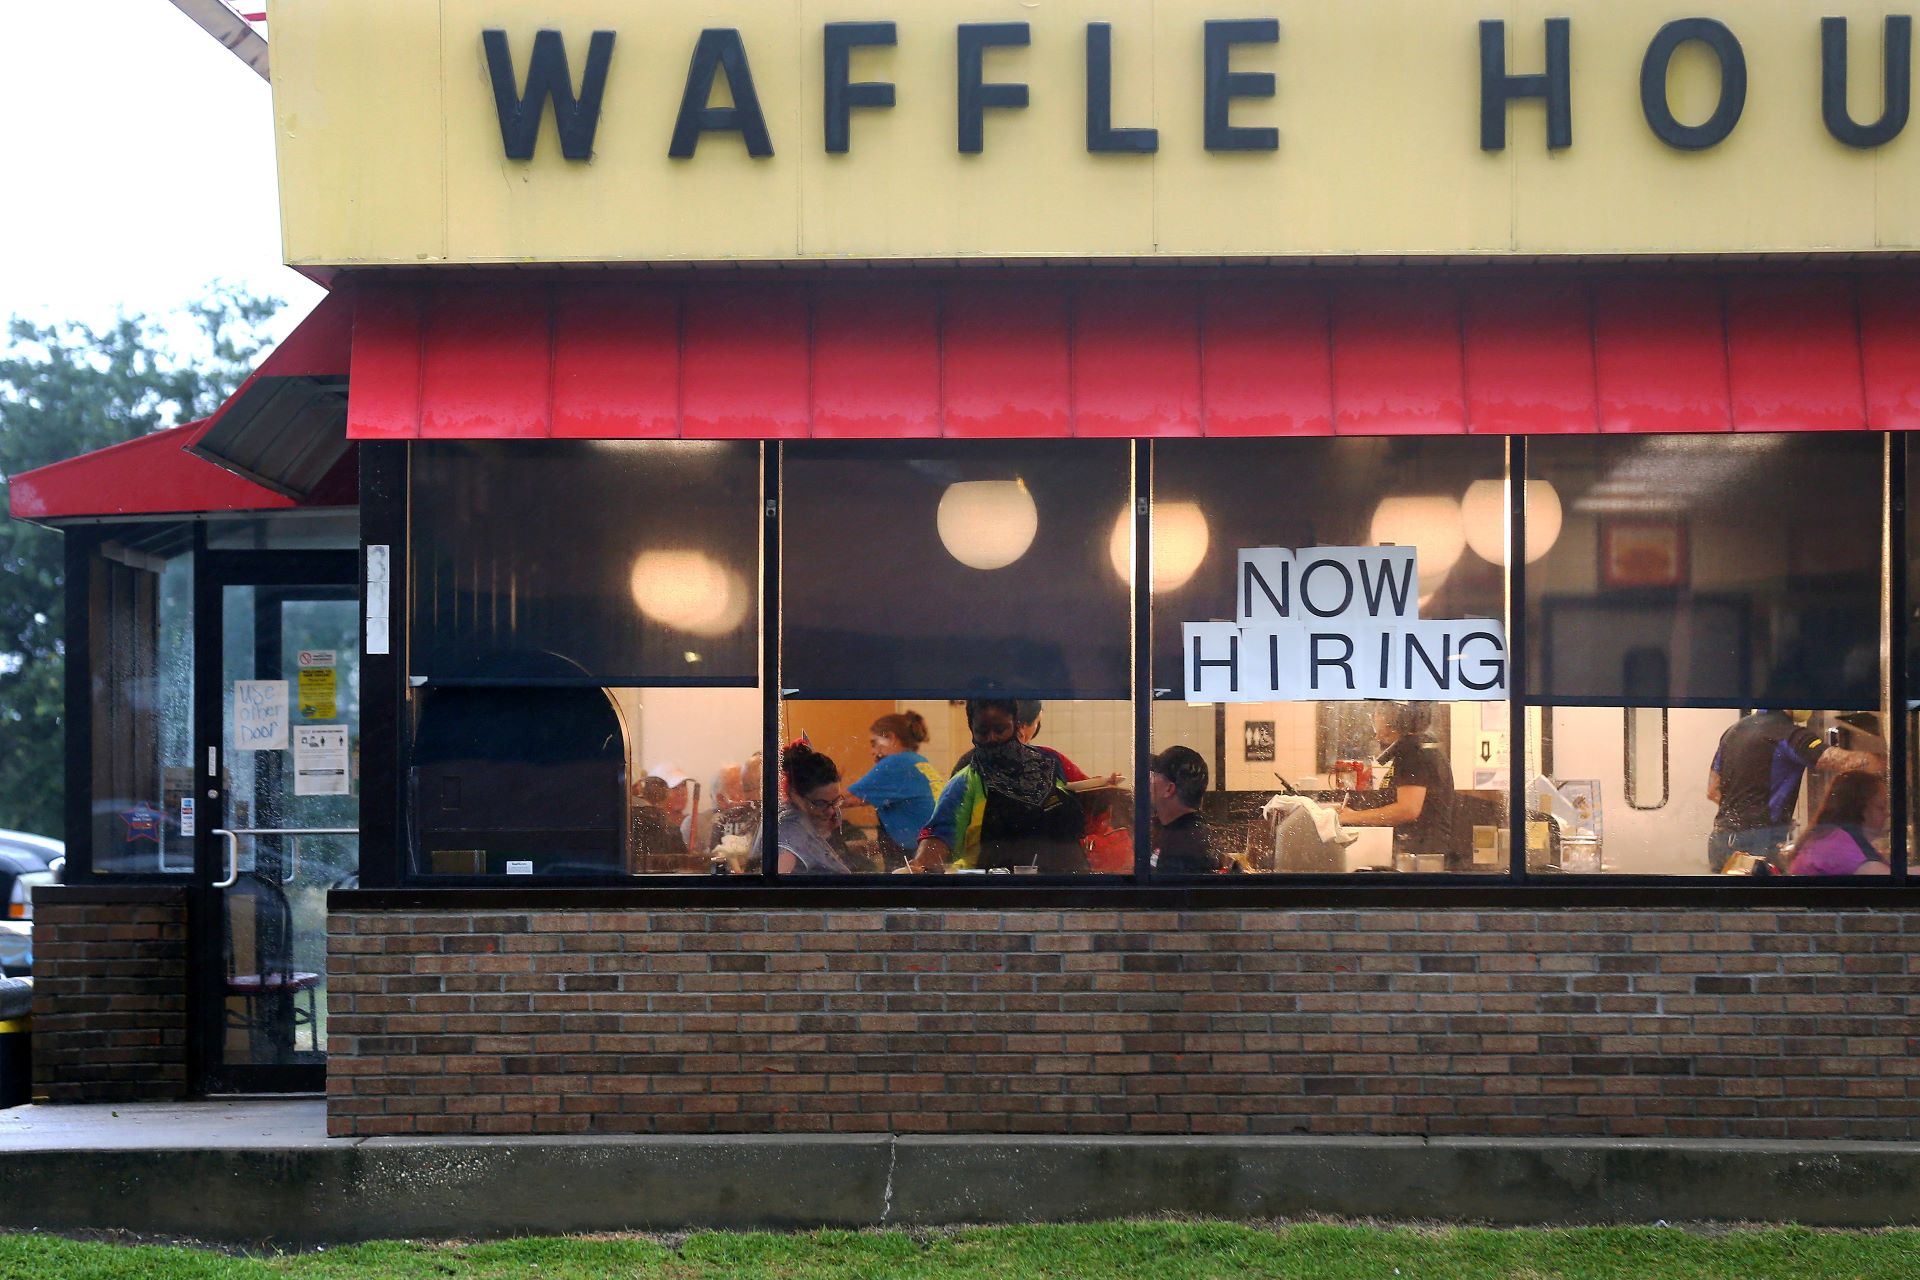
<point x="584" y="780"/>
<point x="584" y="693"/>
<point x="1352" y="664"/>
<point x="1704" y="634"/>
<point x="625" y="562"/>
<point x="140" y="610"/>
<point x="930" y="588"/>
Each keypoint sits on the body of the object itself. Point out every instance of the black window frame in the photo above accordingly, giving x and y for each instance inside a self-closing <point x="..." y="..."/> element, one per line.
<point x="390" y="880"/>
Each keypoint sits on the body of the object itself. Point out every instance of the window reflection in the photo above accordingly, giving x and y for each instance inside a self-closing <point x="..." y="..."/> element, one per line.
<point x="956" y="640"/>
<point x="1728" y="569"/>
<point x="1743" y="790"/>
<point x="1309" y="785"/>
<point x="946" y="569"/>
<point x="915" y="792"/>
<point x="1703" y="592"/>
<point x="584" y="695"/>
<point x="141" y="622"/>
<point x="584" y="781"/>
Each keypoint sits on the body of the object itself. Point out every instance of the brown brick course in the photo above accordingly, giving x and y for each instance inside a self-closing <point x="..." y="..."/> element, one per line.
<point x="110" y="996"/>
<point x="1764" y="1023"/>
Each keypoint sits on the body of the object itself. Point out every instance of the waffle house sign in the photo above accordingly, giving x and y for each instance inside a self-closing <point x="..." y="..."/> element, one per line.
<point x="589" y="130"/>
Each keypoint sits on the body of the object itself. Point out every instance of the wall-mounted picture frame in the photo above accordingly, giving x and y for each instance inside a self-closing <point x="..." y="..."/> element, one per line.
<point x="1640" y="552"/>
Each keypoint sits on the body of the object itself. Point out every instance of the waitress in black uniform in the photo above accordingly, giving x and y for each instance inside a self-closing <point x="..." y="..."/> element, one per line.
<point x="1417" y="791"/>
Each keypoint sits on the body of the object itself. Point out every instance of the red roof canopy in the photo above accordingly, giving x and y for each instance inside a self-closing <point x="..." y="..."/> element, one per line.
<point x="1232" y="354"/>
<point x="152" y="475"/>
<point x="160" y="474"/>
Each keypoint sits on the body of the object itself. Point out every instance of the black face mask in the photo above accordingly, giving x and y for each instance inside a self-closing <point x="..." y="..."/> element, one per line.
<point x="996" y="751"/>
<point x="1015" y="770"/>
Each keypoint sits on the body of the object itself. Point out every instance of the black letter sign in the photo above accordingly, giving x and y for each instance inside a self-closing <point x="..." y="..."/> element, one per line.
<point x="1733" y="84"/>
<point x="1101" y="135"/>
<point x="1223" y="86"/>
<point x="1497" y="88"/>
<point x="719" y="48"/>
<point x="547" y="76"/>
<point x="842" y="39"/>
<point x="1897" y="79"/>
<point x="975" y="96"/>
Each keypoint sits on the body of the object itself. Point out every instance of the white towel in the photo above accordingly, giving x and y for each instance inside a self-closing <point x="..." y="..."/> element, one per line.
<point x="1326" y="819"/>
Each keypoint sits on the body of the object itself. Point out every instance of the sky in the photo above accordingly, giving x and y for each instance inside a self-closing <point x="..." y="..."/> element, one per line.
<point x="140" y="165"/>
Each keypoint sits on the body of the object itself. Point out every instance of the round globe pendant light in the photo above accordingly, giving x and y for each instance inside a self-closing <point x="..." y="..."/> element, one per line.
<point x="987" y="524"/>
<point x="1180" y="541"/>
<point x="1429" y="523"/>
<point x="1483" y="510"/>
<point x="689" y="591"/>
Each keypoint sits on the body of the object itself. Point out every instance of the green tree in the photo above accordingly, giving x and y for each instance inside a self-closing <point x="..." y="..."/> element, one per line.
<point x="67" y="389"/>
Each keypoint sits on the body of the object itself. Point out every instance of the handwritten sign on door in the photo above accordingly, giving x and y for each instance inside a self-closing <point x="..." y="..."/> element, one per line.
<point x="259" y="715"/>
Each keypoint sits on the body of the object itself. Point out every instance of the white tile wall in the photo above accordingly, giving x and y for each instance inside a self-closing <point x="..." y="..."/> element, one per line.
<point x="1097" y="736"/>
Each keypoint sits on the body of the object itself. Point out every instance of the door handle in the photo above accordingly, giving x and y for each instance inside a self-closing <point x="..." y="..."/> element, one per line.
<point x="233" y="858"/>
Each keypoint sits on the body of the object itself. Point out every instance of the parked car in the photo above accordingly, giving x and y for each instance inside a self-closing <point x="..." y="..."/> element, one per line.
<point x="25" y="861"/>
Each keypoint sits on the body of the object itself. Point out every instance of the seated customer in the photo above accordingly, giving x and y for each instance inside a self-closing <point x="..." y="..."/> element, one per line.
<point x="1008" y="807"/>
<point x="809" y="826"/>
<point x="657" y="846"/>
<point x="901" y="784"/>
<point x="1109" y="837"/>
<point x="1182" y="847"/>
<point x="736" y="818"/>
<point x="1839" y="843"/>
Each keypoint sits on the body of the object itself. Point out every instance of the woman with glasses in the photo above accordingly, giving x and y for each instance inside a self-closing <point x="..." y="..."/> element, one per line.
<point x="809" y="825"/>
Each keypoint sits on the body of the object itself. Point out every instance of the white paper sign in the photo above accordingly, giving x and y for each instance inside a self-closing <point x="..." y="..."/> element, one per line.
<point x="1334" y="624"/>
<point x="320" y="760"/>
<point x="1326" y="584"/>
<point x="259" y="715"/>
<point x="317" y="658"/>
<point x="378" y="558"/>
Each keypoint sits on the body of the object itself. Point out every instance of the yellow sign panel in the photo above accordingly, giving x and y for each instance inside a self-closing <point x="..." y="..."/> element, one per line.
<point x="319" y="693"/>
<point x="1083" y="128"/>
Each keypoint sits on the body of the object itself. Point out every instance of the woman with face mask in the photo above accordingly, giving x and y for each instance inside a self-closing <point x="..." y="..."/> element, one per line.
<point x="1008" y="807"/>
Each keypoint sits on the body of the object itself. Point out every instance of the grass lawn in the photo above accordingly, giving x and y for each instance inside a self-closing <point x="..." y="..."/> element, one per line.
<point x="1160" y="1250"/>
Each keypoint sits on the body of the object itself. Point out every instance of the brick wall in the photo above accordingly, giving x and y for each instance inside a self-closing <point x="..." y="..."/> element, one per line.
<point x="1753" y="1024"/>
<point x="109" y="994"/>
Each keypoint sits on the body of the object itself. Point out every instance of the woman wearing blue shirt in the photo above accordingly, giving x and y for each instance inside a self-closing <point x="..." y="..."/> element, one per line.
<point x="901" y="785"/>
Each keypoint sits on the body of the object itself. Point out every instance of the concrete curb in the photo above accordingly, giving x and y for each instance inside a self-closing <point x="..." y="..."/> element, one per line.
<point x="328" y="1192"/>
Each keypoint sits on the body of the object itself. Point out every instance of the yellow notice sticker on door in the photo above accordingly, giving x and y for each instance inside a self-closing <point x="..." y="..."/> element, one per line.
<point x="319" y="693"/>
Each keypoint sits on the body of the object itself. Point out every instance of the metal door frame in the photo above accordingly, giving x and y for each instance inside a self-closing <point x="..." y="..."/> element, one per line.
<point x="335" y="575"/>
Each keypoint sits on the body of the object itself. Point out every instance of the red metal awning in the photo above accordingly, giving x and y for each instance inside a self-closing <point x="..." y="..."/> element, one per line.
<point x="1142" y="355"/>
<point x="178" y="471"/>
<point x="151" y="475"/>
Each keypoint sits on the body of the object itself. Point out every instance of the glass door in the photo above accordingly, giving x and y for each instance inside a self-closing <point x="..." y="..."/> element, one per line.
<point x="278" y="714"/>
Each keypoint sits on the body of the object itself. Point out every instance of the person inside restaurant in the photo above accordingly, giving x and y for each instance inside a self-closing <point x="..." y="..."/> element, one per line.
<point x="1755" y="780"/>
<point x="736" y="818"/>
<point x="1418" y="784"/>
<point x="1841" y="841"/>
<point x="657" y="843"/>
<point x="808" y="832"/>
<point x="1009" y="808"/>
<point x="1181" y="840"/>
<point x="901" y="785"/>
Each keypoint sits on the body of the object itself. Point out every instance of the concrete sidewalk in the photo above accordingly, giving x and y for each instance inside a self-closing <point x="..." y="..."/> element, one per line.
<point x="264" y="1172"/>
<point x="149" y="1126"/>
